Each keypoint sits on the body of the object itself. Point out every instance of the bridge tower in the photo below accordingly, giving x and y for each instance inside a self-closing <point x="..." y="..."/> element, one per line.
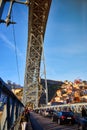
<point x="38" y="15"/>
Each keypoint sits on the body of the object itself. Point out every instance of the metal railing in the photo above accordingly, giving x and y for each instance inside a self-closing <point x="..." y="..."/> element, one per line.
<point x="76" y="107"/>
<point x="11" y="107"/>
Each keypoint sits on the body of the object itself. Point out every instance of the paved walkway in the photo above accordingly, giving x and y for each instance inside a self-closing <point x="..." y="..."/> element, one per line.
<point x="47" y="124"/>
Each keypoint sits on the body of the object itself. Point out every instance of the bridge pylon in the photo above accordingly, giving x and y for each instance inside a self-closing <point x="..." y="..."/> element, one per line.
<point x="38" y="15"/>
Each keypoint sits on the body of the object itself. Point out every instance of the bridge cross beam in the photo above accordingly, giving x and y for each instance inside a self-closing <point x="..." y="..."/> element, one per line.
<point x="8" y="21"/>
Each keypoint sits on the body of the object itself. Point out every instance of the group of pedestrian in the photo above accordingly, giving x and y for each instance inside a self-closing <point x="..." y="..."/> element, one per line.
<point x="24" y="119"/>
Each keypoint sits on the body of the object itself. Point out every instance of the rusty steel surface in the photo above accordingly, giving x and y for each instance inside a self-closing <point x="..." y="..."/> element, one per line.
<point x="38" y="15"/>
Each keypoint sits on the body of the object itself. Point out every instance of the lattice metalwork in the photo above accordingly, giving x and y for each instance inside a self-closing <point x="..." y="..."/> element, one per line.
<point x="76" y="107"/>
<point x="38" y="15"/>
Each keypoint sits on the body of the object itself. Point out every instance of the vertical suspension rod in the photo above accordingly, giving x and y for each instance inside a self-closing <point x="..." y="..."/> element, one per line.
<point x="43" y="57"/>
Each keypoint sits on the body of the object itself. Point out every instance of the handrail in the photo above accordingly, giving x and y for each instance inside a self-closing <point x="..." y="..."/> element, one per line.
<point x="12" y="107"/>
<point x="16" y="124"/>
<point x="5" y="89"/>
<point x="77" y="107"/>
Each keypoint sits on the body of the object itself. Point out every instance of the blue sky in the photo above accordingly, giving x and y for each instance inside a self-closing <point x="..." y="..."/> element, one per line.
<point x="65" y="43"/>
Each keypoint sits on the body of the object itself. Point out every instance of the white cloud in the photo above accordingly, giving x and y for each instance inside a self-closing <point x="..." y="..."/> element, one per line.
<point x="10" y="44"/>
<point x="68" y="49"/>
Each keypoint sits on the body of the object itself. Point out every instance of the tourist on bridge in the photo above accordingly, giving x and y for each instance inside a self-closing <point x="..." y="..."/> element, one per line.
<point x="84" y="112"/>
<point x="25" y="119"/>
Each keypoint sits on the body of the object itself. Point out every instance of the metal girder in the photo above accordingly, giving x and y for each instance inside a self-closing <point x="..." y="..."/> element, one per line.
<point x="38" y="15"/>
<point x="76" y="107"/>
<point x="2" y="3"/>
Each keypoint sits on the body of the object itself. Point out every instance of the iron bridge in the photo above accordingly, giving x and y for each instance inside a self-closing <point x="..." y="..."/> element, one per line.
<point x="38" y="15"/>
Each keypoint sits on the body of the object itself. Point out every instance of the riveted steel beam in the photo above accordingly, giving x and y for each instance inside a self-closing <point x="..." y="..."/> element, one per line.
<point x="38" y="15"/>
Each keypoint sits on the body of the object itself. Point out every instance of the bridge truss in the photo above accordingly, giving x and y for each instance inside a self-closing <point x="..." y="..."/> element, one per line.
<point x="76" y="107"/>
<point x="37" y="19"/>
<point x="38" y="15"/>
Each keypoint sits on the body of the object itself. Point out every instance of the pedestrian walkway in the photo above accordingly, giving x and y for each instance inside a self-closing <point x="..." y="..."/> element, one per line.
<point x="44" y="123"/>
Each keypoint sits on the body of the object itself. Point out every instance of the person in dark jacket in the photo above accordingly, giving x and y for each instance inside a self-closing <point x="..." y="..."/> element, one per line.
<point x="23" y="121"/>
<point x="83" y="112"/>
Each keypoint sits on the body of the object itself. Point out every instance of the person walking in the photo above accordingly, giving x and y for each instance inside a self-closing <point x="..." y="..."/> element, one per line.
<point x="23" y="121"/>
<point x="83" y="112"/>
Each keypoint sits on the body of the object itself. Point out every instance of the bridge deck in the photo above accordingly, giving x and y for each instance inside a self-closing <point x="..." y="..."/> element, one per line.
<point x="44" y="123"/>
